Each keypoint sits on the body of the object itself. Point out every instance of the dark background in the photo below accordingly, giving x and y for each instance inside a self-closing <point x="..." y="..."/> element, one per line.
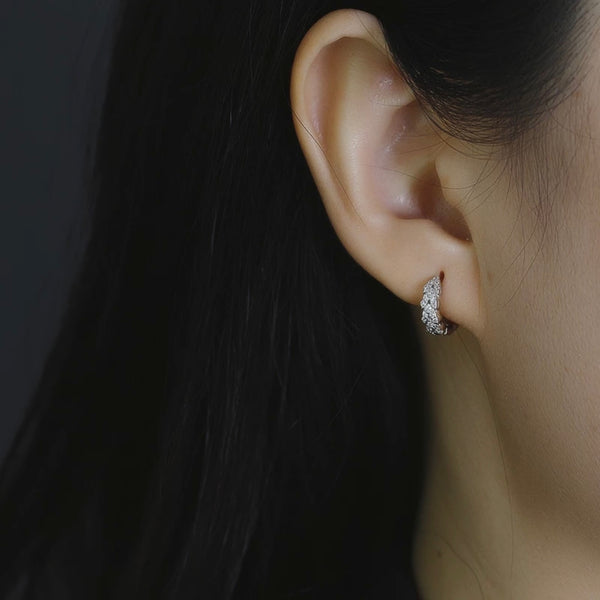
<point x="53" y="58"/>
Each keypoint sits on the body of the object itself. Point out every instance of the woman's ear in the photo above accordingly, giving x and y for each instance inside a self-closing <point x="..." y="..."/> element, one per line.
<point x="391" y="184"/>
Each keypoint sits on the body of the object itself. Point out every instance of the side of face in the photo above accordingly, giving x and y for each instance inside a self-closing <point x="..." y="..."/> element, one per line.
<point x="541" y="222"/>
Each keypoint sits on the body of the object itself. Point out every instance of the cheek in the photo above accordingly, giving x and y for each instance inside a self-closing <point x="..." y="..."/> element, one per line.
<point x="542" y="353"/>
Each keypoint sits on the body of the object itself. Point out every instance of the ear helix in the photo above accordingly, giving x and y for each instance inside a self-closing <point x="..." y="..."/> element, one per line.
<point x="434" y="322"/>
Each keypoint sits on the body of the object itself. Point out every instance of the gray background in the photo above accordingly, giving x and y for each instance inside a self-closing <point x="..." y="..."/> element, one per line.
<point x="53" y="57"/>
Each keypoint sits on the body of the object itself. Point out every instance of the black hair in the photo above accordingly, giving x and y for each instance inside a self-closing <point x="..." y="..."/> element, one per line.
<point x="233" y="408"/>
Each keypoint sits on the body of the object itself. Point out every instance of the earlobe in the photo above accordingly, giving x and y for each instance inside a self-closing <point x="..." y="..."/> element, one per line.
<point x="376" y="159"/>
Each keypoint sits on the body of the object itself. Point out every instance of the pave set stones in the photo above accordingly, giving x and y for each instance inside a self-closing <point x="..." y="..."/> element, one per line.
<point x="434" y="322"/>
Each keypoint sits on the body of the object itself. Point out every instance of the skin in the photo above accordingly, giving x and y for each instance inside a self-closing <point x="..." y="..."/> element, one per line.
<point x="511" y="507"/>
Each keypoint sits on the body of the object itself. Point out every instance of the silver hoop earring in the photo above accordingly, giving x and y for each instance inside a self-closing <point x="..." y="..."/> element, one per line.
<point x="435" y="323"/>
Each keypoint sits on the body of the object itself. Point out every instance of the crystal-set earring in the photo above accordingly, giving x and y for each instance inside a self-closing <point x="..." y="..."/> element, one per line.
<point x="434" y="322"/>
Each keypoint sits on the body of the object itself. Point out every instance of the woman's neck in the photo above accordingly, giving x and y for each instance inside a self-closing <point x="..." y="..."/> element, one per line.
<point x="475" y="538"/>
